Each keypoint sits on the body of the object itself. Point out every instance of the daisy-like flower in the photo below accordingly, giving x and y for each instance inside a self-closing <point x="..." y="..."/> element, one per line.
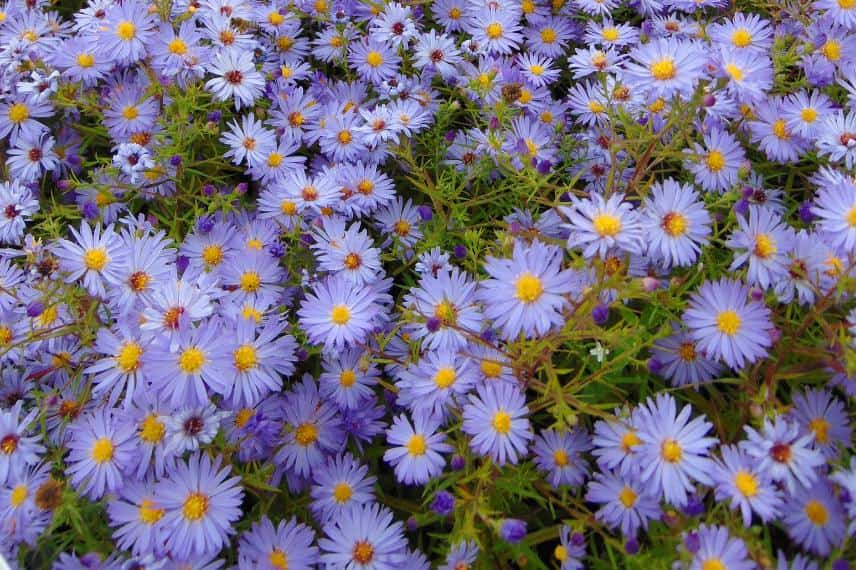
<point x="17" y="205"/>
<point x="415" y="449"/>
<point x="743" y="31"/>
<point x="339" y="484"/>
<point x="749" y="73"/>
<point x="190" y="428"/>
<point x="840" y="12"/>
<point x="726" y="324"/>
<point x="337" y="314"/>
<point x="805" y="111"/>
<point x="496" y="420"/>
<point x="617" y="444"/>
<point x="783" y="453"/>
<point x="347" y="251"/>
<point x="608" y="33"/>
<point x="100" y="448"/>
<point x="763" y="240"/>
<point x="23" y="514"/>
<point x="261" y="356"/>
<point x="137" y="516"/>
<point x="17" y="449"/>
<point x="591" y="60"/>
<point x="814" y="518"/>
<point x="461" y="556"/>
<point x="288" y="545"/>
<point x="836" y="138"/>
<point x="252" y="278"/>
<point x="439" y="52"/>
<point x="32" y="157"/>
<point x="626" y="503"/>
<point x="496" y="30"/>
<point x="823" y="415"/>
<point x="364" y="537"/>
<point x="673" y="450"/>
<point x="571" y="549"/>
<point x="94" y="256"/>
<point x="773" y="135"/>
<point x="738" y="478"/>
<point x="835" y="205"/>
<point x="527" y="293"/>
<point x="400" y="220"/>
<point x="133" y="160"/>
<point x="235" y="78"/>
<point x="374" y="61"/>
<point x="847" y="479"/>
<point x="538" y="70"/>
<point x="127" y="30"/>
<point x="598" y="225"/>
<point x="716" y="164"/>
<point x="121" y="371"/>
<point x="681" y="362"/>
<point x="675" y="223"/>
<point x="447" y="303"/>
<point x="201" y="503"/>
<point x="348" y="378"/>
<point x="665" y="67"/>
<point x="807" y="270"/>
<point x="249" y="141"/>
<point x="718" y="550"/>
<point x="560" y="454"/>
<point x="436" y="382"/>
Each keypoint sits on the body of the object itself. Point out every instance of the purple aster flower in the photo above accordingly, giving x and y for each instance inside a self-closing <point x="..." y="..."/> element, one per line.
<point x="443" y="503"/>
<point x="286" y="545"/>
<point x="18" y="449"/>
<point x="783" y="453"/>
<point x="560" y="454"/>
<point x="835" y="206"/>
<point x="512" y="530"/>
<point x="763" y="240"/>
<point x="337" y="314"/>
<point x="526" y="294"/>
<point x="571" y="549"/>
<point x="725" y="324"/>
<point x="190" y="428"/>
<point x="127" y="29"/>
<point x="675" y="223"/>
<point x="626" y="503"/>
<point x="339" y="484"/>
<point x="749" y="72"/>
<point x="374" y="61"/>
<point x="738" y="478"/>
<point x="814" y="518"/>
<point x="818" y="412"/>
<point x="137" y="516"/>
<point x="201" y="503"/>
<point x="94" y="255"/>
<point x="617" y="444"/>
<point x="681" y="362"/>
<point x="806" y="273"/>
<point x="414" y="449"/>
<point x="462" y="555"/>
<point x="716" y="164"/>
<point x="598" y="225"/>
<point x="348" y="378"/>
<point x="450" y="297"/>
<point x="17" y="205"/>
<point x="496" y="420"/>
<point x="364" y="537"/>
<point x="673" y="450"/>
<point x="743" y="31"/>
<point x="717" y="549"/>
<point x="496" y="30"/>
<point x="100" y="448"/>
<point x="665" y="67"/>
<point x="235" y="77"/>
<point x="122" y="370"/>
<point x="836" y="138"/>
<point x="799" y="562"/>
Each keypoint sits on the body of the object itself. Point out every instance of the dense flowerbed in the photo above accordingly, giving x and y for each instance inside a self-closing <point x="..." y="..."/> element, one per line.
<point x="458" y="284"/>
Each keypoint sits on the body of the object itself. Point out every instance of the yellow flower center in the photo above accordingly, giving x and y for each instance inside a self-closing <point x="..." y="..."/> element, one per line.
<point x="243" y="416"/>
<point x="177" y="47"/>
<point x="816" y="513"/>
<point x="820" y="427"/>
<point x="195" y="506"/>
<point x="780" y="129"/>
<point x="713" y="564"/>
<point x="5" y="335"/>
<point x="501" y="422"/>
<point x="715" y="161"/>
<point x="152" y="429"/>
<point x="275" y="18"/>
<point x="687" y="352"/>
<point x="130" y="113"/>
<point x="126" y="30"/>
<point x="363" y="552"/>
<point x="288" y="208"/>
<point x="606" y="225"/>
<point x="345" y="137"/>
<point x="664" y="69"/>
<point x="560" y="553"/>
<point x="629" y="440"/>
<point x="455" y="13"/>
<point x="536" y="69"/>
<point x="741" y="37"/>
<point x="250" y="281"/>
<point x="19" y="495"/>
<point x="85" y="60"/>
<point x="734" y="72"/>
<point x="340" y="315"/>
<point x="809" y="115"/>
<point x="494" y="30"/>
<point x="128" y="358"/>
<point x="191" y="360"/>
<point x="610" y="34"/>
<point x="831" y="50"/>
<point x="671" y="451"/>
<point x="347" y="378"/>
<point x="847" y="4"/>
<point x="95" y="259"/>
<point x="416" y="445"/>
<point x="149" y="513"/>
<point x="444" y="377"/>
<point x="245" y="357"/>
<point x="9" y="444"/>
<point x="306" y="434"/>
<point x="728" y="322"/>
<point x="548" y="36"/>
<point x="374" y="58"/>
<point x="627" y="497"/>
<point x="851" y="217"/>
<point x="674" y="224"/>
<point x="255" y="243"/>
<point x="560" y="458"/>
<point x="528" y="288"/>
<point x="491" y="368"/>
<point x="596" y="106"/>
<point x="765" y="246"/>
<point x="274" y="159"/>
<point x="102" y="450"/>
<point x="342" y="493"/>
<point x="278" y="559"/>
<point x="658" y="105"/>
<point x="18" y="113"/>
<point x="746" y="483"/>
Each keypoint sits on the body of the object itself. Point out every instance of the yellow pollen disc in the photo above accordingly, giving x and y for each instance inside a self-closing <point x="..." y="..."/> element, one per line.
<point x="278" y="559"/>
<point x="560" y="553"/>
<point x="245" y="357"/>
<point x="345" y="137"/>
<point x="657" y="106"/>
<point x="446" y="312"/>
<point x="528" y="288"/>
<point x="596" y="106"/>
<point x="671" y="451"/>
<point x="820" y="427"/>
<point x="288" y="208"/>
<point x="416" y="445"/>
<point x="527" y="7"/>
<point x="491" y="369"/>
<point x="546" y="117"/>
<point x="284" y="43"/>
<point x="664" y="69"/>
<point x="195" y="506"/>
<point x="128" y="358"/>
<point x="610" y="34"/>
<point x="306" y="434"/>
<point x="19" y="495"/>
<point x="250" y="282"/>
<point x="728" y="322"/>
<point x="560" y="458"/>
<point x="255" y="243"/>
<point x="629" y="440"/>
<point x="365" y="186"/>
<point x="250" y="312"/>
<point x="340" y="315"/>
<point x="536" y="69"/>
<point x="765" y="246"/>
<point x="352" y="261"/>
<point x="401" y="227"/>
<point x="363" y="552"/>
<point x="129" y="113"/>
<point x="548" y="36"/>
<point x="191" y="360"/>
<point x="851" y="217"/>
<point x="249" y="143"/>
<point x="606" y="225"/>
<point x="243" y="416"/>
<point x="18" y="113"/>
<point x="347" y="378"/>
<point x="780" y="129"/>
<point x="494" y="30"/>
<point x="275" y="18"/>
<point x="30" y="36"/>
<point x="501" y="422"/>
<point x="713" y="564"/>
<point x="149" y="513"/>
<point x="847" y="4"/>
<point x="816" y="513"/>
<point x="9" y="444"/>
<point x="126" y="30"/>
<point x="95" y="259"/>
<point x="831" y="50"/>
<point x="715" y="161"/>
<point x="741" y="37"/>
<point x="809" y="115"/>
<point x="674" y="224"/>
<point x="85" y="60"/>
<point x="374" y="58"/>
<point x="102" y="450"/>
<point x="627" y="497"/>
<point x="274" y="159"/>
<point x="687" y="352"/>
<point x="5" y="335"/>
<point x="455" y="13"/>
<point x="746" y="483"/>
<point x="152" y="430"/>
<point x="444" y="378"/>
<point x="734" y="72"/>
<point x="177" y="47"/>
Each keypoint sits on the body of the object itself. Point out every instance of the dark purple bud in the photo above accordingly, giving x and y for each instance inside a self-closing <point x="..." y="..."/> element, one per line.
<point x="181" y="263"/>
<point x="692" y="542"/>
<point x="449" y="137"/>
<point x="806" y="215"/>
<point x="425" y="212"/>
<point x="432" y="324"/>
<point x="741" y="206"/>
<point x="90" y="560"/>
<point x="73" y="160"/>
<point x="487" y="335"/>
<point x="175" y="159"/>
<point x="544" y="167"/>
<point x="512" y="530"/>
<point x="748" y="192"/>
<point x="565" y="197"/>
<point x="514" y="227"/>
<point x="306" y="239"/>
<point x="631" y="547"/>
<point x="276" y="249"/>
<point x="600" y="315"/>
<point x="63" y="185"/>
<point x="241" y="188"/>
<point x="533" y="162"/>
<point x="709" y="100"/>
<point x="411" y="524"/>
<point x="577" y="539"/>
<point x="457" y="463"/>
<point x="214" y="116"/>
<point x="209" y="190"/>
<point x="90" y="211"/>
<point x="35" y="308"/>
<point x="775" y="335"/>
<point x="654" y="365"/>
<point x="205" y="224"/>
<point x="845" y="496"/>
<point x="757" y="294"/>
<point x="443" y="504"/>
<point x="460" y="251"/>
<point x="840" y="564"/>
<point x="493" y="124"/>
<point x="694" y="506"/>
